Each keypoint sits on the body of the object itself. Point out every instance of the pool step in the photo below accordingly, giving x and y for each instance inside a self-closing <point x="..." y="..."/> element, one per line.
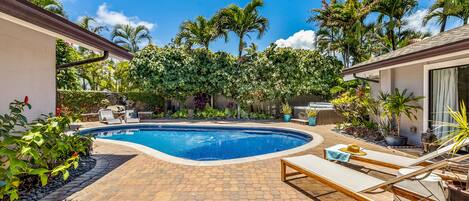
<point x="299" y="121"/>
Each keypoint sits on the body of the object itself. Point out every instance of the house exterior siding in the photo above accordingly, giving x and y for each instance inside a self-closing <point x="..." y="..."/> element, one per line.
<point x="27" y="68"/>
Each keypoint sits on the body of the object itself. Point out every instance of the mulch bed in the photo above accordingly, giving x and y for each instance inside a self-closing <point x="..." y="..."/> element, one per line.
<point x="38" y="192"/>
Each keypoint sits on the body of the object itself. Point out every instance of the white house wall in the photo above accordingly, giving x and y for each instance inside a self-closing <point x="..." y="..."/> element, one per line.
<point x="27" y="68"/>
<point x="410" y="78"/>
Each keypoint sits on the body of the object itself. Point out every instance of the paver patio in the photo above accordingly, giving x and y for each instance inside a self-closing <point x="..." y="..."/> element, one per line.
<point x="138" y="176"/>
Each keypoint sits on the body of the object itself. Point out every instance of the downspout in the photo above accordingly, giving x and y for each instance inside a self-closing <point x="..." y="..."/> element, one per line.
<point x="82" y="62"/>
<point x="365" y="79"/>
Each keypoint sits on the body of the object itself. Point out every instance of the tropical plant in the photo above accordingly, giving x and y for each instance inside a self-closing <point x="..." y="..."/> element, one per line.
<point x="35" y="151"/>
<point x="441" y="11"/>
<point x="391" y="16"/>
<point x="397" y="103"/>
<point x="209" y="112"/>
<point x="459" y="130"/>
<point x="199" y="32"/>
<point x="286" y="109"/>
<point x="342" y="29"/>
<point x="53" y="6"/>
<point x="310" y="112"/>
<point x="243" y="21"/>
<point x="90" y="24"/>
<point x="131" y="37"/>
<point x="182" y="113"/>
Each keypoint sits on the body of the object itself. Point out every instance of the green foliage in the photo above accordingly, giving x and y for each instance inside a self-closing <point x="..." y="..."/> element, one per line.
<point x="311" y="112"/>
<point x="181" y="114"/>
<point x="41" y="150"/>
<point x="80" y="101"/>
<point x="150" y="100"/>
<point x="210" y="113"/>
<point x="77" y="102"/>
<point x="67" y="78"/>
<point x="353" y="106"/>
<point x="276" y="74"/>
<point x="397" y="103"/>
<point x="460" y="129"/>
<point x="291" y="72"/>
<point x="129" y="37"/>
<point x="286" y="109"/>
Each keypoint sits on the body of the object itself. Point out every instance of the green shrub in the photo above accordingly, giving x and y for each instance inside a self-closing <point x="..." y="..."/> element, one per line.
<point x="78" y="102"/>
<point x="211" y="113"/>
<point x="181" y="114"/>
<point x="41" y="150"/>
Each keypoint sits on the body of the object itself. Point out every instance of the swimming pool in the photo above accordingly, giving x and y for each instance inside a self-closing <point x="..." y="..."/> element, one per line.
<point x="205" y="143"/>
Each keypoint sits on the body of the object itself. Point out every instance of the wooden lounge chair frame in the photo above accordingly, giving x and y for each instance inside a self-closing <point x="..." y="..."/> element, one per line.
<point x="385" y="164"/>
<point x="387" y="185"/>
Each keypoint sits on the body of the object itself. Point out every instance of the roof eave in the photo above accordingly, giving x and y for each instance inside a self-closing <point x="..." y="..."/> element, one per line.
<point x="427" y="53"/>
<point x="28" y="12"/>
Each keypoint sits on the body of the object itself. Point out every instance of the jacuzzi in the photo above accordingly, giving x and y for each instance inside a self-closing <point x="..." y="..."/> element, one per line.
<point x="326" y="112"/>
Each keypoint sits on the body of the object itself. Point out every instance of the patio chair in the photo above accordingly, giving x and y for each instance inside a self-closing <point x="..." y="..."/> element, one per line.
<point x="397" y="162"/>
<point x="128" y="117"/>
<point x="107" y="116"/>
<point x="356" y="184"/>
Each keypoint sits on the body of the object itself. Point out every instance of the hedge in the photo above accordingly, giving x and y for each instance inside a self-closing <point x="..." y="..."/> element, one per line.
<point x="91" y="101"/>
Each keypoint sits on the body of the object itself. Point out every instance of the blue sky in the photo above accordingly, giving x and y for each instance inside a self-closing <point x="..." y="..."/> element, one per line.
<point x="286" y="17"/>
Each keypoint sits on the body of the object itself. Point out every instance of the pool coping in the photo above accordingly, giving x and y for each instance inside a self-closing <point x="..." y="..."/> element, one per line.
<point x="316" y="140"/>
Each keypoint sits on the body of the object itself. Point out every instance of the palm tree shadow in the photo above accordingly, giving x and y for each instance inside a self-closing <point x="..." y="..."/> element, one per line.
<point x="105" y="163"/>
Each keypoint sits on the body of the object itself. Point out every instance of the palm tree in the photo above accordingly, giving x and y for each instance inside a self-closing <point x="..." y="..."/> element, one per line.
<point x="342" y="28"/>
<point x="199" y="32"/>
<point x="243" y="21"/>
<point x="462" y="12"/>
<point x="440" y="11"/>
<point x="391" y="14"/>
<point x="53" y="6"/>
<point x="130" y="37"/>
<point x="399" y="103"/>
<point x="90" y="24"/>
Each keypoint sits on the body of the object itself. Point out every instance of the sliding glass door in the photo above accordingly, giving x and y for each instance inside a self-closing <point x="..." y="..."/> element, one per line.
<point x="448" y="87"/>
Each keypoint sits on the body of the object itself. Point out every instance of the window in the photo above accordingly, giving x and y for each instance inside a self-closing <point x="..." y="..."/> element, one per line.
<point x="448" y="87"/>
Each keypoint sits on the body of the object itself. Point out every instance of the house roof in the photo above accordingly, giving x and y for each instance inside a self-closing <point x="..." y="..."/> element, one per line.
<point x="27" y="14"/>
<point x="444" y="43"/>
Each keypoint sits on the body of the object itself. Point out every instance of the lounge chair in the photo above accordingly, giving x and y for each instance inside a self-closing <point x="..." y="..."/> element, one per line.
<point x="107" y="116"/>
<point x="128" y="117"/>
<point x="356" y="184"/>
<point x="395" y="161"/>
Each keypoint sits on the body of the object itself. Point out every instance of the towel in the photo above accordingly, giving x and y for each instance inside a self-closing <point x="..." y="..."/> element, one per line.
<point x="334" y="154"/>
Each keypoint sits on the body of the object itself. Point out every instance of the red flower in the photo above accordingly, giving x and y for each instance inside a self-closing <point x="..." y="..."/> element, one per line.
<point x="58" y="111"/>
<point x="26" y="100"/>
<point x="75" y="154"/>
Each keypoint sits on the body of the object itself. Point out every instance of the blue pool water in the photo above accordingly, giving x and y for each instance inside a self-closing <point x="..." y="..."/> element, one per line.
<point x="206" y="143"/>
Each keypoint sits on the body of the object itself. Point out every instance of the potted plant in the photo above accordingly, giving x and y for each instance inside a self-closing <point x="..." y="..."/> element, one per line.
<point x="458" y="190"/>
<point x="312" y="114"/>
<point x="394" y="106"/>
<point x="286" y="110"/>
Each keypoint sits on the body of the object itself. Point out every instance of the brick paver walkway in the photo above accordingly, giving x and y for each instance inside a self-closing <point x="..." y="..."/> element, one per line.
<point x="143" y="177"/>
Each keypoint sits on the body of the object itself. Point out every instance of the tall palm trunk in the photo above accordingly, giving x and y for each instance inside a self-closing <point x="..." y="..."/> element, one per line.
<point x="240" y="46"/>
<point x="443" y="24"/>
<point x="240" y="54"/>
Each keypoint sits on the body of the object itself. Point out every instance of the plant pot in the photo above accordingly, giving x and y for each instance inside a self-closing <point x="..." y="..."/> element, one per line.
<point x="393" y="140"/>
<point x="312" y="121"/>
<point x="286" y="118"/>
<point x="456" y="193"/>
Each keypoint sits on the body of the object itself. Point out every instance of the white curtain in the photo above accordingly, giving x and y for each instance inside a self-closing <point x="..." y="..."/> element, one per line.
<point x="445" y="94"/>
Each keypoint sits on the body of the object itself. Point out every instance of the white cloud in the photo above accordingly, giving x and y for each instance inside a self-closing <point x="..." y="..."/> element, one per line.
<point x="303" y="39"/>
<point x="112" y="18"/>
<point x="415" y="22"/>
